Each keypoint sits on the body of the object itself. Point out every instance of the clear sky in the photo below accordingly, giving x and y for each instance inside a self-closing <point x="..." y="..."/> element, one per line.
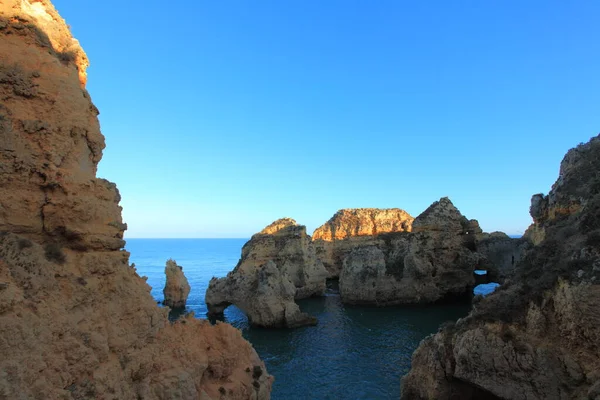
<point x="222" y="116"/>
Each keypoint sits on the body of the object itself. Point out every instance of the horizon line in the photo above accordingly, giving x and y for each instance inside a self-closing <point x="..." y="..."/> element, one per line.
<point x="195" y="238"/>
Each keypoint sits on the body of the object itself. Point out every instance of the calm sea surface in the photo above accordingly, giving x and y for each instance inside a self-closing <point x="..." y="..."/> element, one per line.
<point x="354" y="352"/>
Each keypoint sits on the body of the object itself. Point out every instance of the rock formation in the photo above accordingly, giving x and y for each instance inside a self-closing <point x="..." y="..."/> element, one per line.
<point x="365" y="278"/>
<point x="537" y="337"/>
<point x="405" y="268"/>
<point x="443" y="216"/>
<point x="265" y="295"/>
<point x="177" y="288"/>
<point x="76" y="321"/>
<point x="278" y="265"/>
<point x="500" y="253"/>
<point x="355" y="227"/>
<point x="286" y="244"/>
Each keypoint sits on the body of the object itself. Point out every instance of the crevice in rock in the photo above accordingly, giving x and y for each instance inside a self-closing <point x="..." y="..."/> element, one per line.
<point x="43" y="214"/>
<point x="463" y="390"/>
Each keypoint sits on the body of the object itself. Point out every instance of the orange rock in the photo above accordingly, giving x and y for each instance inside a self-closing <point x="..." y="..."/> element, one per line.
<point x="355" y="227"/>
<point x="352" y="222"/>
<point x="76" y="321"/>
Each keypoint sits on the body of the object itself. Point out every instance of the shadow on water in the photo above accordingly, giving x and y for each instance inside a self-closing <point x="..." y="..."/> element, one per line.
<point x="353" y="353"/>
<point x="176" y="313"/>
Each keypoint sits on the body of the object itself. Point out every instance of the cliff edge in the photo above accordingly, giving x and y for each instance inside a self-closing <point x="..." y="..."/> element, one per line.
<point x="76" y="321"/>
<point x="537" y="336"/>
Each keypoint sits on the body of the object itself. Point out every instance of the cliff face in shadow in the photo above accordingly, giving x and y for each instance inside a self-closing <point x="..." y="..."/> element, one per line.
<point x="76" y="321"/>
<point x="537" y="337"/>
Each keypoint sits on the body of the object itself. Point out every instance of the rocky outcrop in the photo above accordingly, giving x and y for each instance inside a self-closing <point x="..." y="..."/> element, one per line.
<point x="408" y="268"/>
<point x="264" y="294"/>
<point x="286" y="244"/>
<point x="355" y="227"/>
<point x="76" y="321"/>
<point x="500" y="253"/>
<point x="443" y="216"/>
<point x="537" y="337"/>
<point x="176" y="288"/>
<point x="278" y="265"/>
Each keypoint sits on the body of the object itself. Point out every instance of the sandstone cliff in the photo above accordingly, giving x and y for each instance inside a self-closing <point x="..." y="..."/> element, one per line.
<point x="176" y="288"/>
<point x="537" y="337"/>
<point x="430" y="265"/>
<point x="76" y="321"/>
<point x="278" y="265"/>
<point x="355" y="227"/>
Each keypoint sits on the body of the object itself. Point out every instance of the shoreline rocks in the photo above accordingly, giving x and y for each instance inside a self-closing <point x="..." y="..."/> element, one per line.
<point x="176" y="288"/>
<point x="537" y="336"/>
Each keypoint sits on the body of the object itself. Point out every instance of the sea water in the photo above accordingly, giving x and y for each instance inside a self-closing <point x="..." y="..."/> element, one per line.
<point x="353" y="353"/>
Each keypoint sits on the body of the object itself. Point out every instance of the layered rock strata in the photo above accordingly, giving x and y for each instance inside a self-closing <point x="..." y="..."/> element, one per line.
<point x="430" y="265"/>
<point x="277" y="267"/>
<point x="355" y="227"/>
<point x="176" y="288"/>
<point x="537" y="337"/>
<point x="76" y="321"/>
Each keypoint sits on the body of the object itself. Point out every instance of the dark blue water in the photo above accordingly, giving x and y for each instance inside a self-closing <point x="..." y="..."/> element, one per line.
<point x="354" y="352"/>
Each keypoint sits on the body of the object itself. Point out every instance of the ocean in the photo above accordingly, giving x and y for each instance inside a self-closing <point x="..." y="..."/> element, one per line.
<point x="353" y="353"/>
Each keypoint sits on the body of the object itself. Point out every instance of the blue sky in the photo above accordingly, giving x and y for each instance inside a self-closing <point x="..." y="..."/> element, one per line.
<point x="222" y="116"/>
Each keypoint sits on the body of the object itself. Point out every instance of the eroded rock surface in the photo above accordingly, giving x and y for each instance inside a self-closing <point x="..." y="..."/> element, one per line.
<point x="76" y="321"/>
<point x="264" y="294"/>
<point x="442" y="216"/>
<point x="409" y="268"/>
<point x="286" y="244"/>
<point x="355" y="227"/>
<point x="278" y="265"/>
<point x="537" y="337"/>
<point x="500" y="253"/>
<point x="176" y="288"/>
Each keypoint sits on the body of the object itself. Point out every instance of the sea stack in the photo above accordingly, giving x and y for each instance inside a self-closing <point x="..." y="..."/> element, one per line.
<point x="537" y="337"/>
<point x="177" y="288"/>
<point x="76" y="320"/>
<point x="277" y="267"/>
